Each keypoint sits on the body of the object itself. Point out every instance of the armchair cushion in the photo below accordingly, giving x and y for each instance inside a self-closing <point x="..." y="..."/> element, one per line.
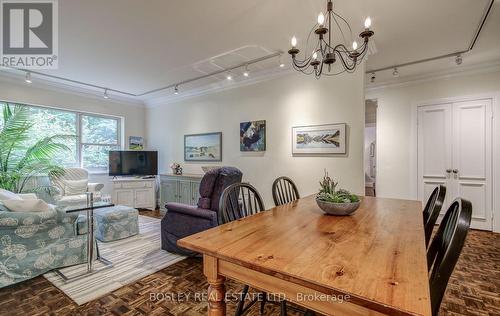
<point x="7" y="195"/>
<point x="75" y="187"/>
<point x="28" y="196"/>
<point x="31" y="205"/>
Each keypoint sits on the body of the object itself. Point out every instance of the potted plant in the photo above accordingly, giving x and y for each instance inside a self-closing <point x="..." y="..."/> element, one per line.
<point x="19" y="163"/>
<point x="333" y="201"/>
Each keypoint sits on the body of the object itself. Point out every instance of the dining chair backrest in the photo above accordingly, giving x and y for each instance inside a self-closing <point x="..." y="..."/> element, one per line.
<point x="284" y="191"/>
<point x="432" y="210"/>
<point x="445" y="248"/>
<point x="239" y="200"/>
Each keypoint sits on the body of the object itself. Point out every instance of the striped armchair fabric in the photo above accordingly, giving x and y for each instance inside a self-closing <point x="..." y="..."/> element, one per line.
<point x="67" y="192"/>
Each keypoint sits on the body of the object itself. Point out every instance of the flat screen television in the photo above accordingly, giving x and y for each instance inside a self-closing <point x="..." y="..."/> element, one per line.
<point x="133" y="163"/>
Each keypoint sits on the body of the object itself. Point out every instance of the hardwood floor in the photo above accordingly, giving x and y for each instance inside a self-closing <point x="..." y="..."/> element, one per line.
<point x="474" y="289"/>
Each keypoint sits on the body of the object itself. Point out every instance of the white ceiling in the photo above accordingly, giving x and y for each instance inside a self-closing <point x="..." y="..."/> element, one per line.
<point x="136" y="46"/>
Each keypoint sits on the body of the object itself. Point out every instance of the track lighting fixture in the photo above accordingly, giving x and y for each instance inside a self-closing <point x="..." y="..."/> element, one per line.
<point x="105" y="95"/>
<point x="176" y="90"/>
<point x="395" y="73"/>
<point x="246" y="73"/>
<point x="458" y="59"/>
<point x="28" y="77"/>
<point x="228" y="76"/>
<point x="372" y="79"/>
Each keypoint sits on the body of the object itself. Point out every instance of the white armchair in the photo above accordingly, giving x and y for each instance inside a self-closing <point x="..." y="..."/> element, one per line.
<point x="72" y="186"/>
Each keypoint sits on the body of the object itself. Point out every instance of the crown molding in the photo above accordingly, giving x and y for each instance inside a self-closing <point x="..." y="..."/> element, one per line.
<point x="489" y="67"/>
<point x="40" y="83"/>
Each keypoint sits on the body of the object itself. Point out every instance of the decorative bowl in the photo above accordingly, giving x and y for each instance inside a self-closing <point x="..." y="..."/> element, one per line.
<point x="339" y="209"/>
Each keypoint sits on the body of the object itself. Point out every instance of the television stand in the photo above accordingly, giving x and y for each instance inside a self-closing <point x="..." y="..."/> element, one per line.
<point x="135" y="192"/>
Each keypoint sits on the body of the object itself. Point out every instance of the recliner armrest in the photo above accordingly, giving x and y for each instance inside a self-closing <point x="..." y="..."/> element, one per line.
<point x="190" y="210"/>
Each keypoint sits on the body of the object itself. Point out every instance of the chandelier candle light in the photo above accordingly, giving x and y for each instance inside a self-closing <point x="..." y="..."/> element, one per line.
<point x="326" y="53"/>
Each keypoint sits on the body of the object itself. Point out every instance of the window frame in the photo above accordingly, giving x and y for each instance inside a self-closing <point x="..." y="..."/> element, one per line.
<point x="79" y="137"/>
<point x="81" y="144"/>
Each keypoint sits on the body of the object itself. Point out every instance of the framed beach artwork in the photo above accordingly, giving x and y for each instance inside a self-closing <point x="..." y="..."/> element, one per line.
<point x="253" y="136"/>
<point x="319" y="139"/>
<point x="135" y="143"/>
<point x="203" y="147"/>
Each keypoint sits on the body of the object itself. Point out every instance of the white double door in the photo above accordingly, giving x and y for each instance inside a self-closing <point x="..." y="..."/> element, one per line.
<point x="455" y="150"/>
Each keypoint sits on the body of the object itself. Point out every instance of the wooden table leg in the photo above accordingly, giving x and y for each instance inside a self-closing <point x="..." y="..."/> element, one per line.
<point x="216" y="289"/>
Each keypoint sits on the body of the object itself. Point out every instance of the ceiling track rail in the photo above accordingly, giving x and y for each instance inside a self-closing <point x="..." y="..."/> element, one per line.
<point x="137" y="95"/>
<point x="471" y="46"/>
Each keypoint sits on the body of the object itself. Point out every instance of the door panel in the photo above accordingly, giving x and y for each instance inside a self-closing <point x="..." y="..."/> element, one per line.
<point x="143" y="197"/>
<point x="185" y="192"/>
<point x="124" y="197"/>
<point x="434" y="148"/>
<point x="472" y="158"/>
<point x="168" y="191"/>
<point x="470" y="140"/>
<point x="195" y="192"/>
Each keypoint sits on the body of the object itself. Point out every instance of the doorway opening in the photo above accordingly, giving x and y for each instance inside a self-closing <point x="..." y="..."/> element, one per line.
<point x="370" y="153"/>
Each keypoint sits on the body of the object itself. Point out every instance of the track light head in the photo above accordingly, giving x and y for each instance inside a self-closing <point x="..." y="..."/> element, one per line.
<point x="176" y="90"/>
<point x="372" y="78"/>
<point x="282" y="65"/>
<point x="458" y="59"/>
<point x="246" y="73"/>
<point x="395" y="73"/>
<point x="229" y="76"/>
<point x="28" y="77"/>
<point x="105" y="95"/>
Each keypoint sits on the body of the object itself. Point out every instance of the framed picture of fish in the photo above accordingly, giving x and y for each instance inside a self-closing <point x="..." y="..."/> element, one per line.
<point x="319" y="139"/>
<point x="203" y="147"/>
<point x="253" y="136"/>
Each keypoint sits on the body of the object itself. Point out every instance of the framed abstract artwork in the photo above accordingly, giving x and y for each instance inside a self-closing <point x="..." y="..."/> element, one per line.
<point x="253" y="136"/>
<point x="203" y="147"/>
<point x="319" y="139"/>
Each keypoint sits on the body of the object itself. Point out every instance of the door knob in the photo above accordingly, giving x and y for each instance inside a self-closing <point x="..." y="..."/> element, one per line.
<point x="455" y="171"/>
<point x="448" y="170"/>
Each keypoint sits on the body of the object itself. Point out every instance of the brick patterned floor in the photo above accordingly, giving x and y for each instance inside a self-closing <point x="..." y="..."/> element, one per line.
<point x="474" y="289"/>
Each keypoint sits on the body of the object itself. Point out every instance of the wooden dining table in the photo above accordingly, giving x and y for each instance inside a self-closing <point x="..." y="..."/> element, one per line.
<point x="372" y="262"/>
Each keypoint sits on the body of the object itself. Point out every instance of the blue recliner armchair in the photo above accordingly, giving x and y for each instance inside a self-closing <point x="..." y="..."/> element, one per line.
<point x="183" y="220"/>
<point x="32" y="243"/>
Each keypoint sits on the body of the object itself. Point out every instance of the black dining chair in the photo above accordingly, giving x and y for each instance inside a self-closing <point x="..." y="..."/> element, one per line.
<point x="284" y="191"/>
<point x="240" y="200"/>
<point x="432" y="210"/>
<point x="446" y="247"/>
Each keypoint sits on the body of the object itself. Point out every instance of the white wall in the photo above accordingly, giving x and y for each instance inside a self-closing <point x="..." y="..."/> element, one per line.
<point x="396" y="129"/>
<point x="284" y="102"/>
<point x="133" y="115"/>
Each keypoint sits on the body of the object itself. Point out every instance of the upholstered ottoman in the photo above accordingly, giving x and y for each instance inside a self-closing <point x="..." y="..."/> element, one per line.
<point x="117" y="222"/>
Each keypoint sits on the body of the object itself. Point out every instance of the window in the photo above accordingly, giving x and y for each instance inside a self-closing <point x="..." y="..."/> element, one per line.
<point x="96" y="135"/>
<point x="99" y="135"/>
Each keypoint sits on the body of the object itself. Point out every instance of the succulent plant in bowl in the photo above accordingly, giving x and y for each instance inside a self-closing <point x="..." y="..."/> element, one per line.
<point x="333" y="201"/>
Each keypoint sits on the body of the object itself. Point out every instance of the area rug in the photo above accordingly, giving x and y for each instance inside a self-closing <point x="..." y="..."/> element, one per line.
<point x="133" y="258"/>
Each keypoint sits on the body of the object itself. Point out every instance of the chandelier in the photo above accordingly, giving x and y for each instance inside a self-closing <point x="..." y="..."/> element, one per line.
<point x="326" y="55"/>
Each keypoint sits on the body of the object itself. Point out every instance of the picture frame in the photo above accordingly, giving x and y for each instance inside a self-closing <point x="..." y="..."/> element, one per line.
<point x="136" y="143"/>
<point x="205" y="147"/>
<point x="253" y="136"/>
<point x="326" y="139"/>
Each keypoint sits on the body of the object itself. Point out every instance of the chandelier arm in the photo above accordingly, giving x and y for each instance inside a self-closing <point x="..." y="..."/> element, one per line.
<point x="340" y="29"/>
<point x="346" y="64"/>
<point x="348" y="26"/>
